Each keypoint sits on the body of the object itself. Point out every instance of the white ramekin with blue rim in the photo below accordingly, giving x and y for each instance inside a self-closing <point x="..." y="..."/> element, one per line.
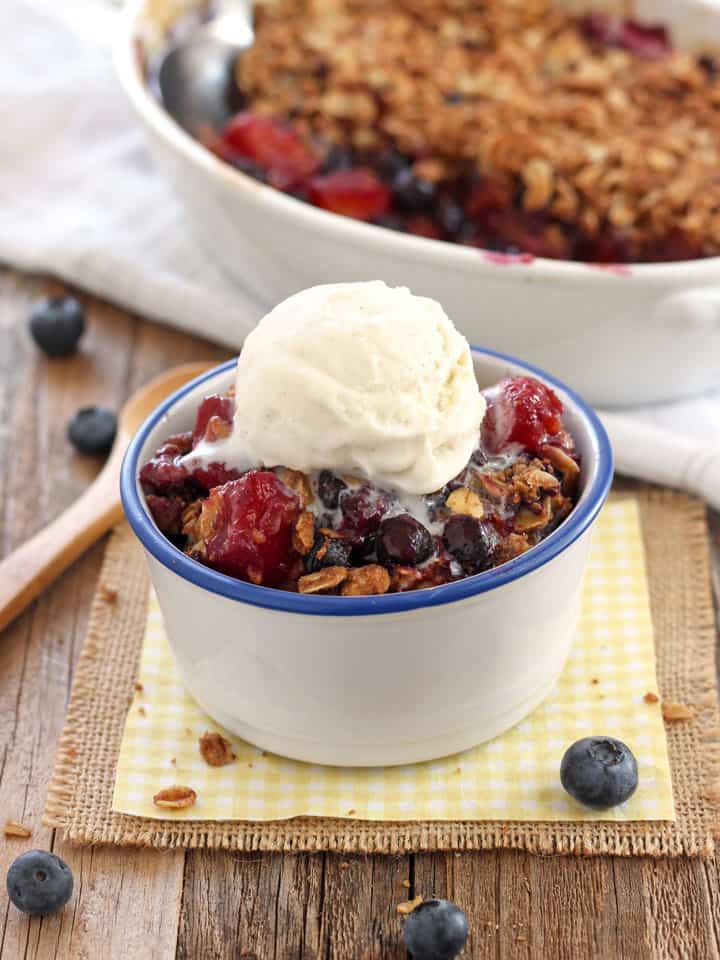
<point x="375" y="680"/>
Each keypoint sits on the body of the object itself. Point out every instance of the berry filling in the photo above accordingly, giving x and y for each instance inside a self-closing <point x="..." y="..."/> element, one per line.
<point x="325" y="533"/>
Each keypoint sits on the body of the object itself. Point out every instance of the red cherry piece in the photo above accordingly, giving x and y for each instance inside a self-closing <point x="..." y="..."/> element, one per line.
<point x="487" y="196"/>
<point x="649" y="42"/>
<point x="273" y="146"/>
<point x="250" y="522"/>
<point x="422" y="226"/>
<point x="357" y="193"/>
<point x="164" y="474"/>
<point x="610" y="246"/>
<point x="521" y="410"/>
<point x="213" y="413"/>
<point x="362" y="512"/>
<point x="167" y="512"/>
<point x="214" y="475"/>
<point x="533" y="233"/>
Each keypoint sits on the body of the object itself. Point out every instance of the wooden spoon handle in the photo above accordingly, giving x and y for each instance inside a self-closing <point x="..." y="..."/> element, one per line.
<point x="32" y="567"/>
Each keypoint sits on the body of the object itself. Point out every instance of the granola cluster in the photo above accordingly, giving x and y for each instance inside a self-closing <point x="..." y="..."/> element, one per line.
<point x="618" y="146"/>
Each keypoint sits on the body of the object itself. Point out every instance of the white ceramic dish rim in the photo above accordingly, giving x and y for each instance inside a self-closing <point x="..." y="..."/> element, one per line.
<point x="584" y="513"/>
<point x="439" y="252"/>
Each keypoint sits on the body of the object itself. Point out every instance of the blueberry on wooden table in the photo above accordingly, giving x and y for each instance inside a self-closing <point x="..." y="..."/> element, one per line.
<point x="56" y="325"/>
<point x="39" y="883"/>
<point x="92" y="430"/>
<point x="599" y="772"/>
<point x="435" y="930"/>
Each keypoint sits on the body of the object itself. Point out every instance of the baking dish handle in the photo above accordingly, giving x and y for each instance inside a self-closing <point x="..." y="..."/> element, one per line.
<point x="690" y="311"/>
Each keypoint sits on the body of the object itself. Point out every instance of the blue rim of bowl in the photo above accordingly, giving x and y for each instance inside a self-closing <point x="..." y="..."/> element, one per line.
<point x="271" y="598"/>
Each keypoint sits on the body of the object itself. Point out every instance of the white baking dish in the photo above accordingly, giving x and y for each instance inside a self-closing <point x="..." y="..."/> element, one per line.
<point x="640" y="334"/>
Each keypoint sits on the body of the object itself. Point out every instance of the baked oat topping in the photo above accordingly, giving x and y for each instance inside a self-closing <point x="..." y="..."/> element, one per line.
<point x="215" y="749"/>
<point x="298" y="483"/>
<point x="366" y="581"/>
<point x="304" y="534"/>
<point x="581" y="137"/>
<point x="466" y="502"/>
<point x="323" y="580"/>
<point x="175" y="798"/>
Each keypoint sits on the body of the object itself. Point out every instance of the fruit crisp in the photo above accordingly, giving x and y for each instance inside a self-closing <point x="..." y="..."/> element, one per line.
<point x="331" y="534"/>
<point x="519" y="128"/>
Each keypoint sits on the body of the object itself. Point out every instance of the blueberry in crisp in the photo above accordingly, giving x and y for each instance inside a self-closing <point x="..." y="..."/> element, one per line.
<point x="435" y="930"/>
<point x="403" y="540"/>
<point x="599" y="772"/>
<point x="412" y="193"/>
<point x="92" y="430"/>
<point x="328" y="552"/>
<point x="330" y="486"/>
<point x="470" y="542"/>
<point x="39" y="883"/>
<point x="56" y="325"/>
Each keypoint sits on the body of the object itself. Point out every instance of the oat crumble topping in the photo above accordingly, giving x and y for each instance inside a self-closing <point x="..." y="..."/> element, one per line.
<point x="554" y="119"/>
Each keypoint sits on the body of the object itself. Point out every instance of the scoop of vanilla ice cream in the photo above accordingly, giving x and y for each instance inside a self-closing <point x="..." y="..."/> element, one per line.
<point x="359" y="378"/>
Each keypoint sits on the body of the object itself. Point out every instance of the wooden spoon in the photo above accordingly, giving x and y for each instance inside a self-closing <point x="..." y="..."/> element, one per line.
<point x="25" y="573"/>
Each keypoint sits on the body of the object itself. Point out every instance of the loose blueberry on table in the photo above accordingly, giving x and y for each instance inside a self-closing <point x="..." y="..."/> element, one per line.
<point x="92" y="430"/>
<point x="324" y="533"/>
<point x="57" y="324"/>
<point x="39" y="883"/>
<point x="435" y="930"/>
<point x="599" y="772"/>
<point x="523" y="130"/>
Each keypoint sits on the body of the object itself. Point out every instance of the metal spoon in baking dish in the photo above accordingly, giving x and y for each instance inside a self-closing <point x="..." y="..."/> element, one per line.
<point x="196" y="76"/>
<point x="38" y="562"/>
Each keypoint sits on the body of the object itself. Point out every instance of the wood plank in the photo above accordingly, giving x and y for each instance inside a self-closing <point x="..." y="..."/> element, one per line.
<point x="360" y="919"/>
<point x="262" y="905"/>
<point x="471" y="881"/>
<point x="125" y="902"/>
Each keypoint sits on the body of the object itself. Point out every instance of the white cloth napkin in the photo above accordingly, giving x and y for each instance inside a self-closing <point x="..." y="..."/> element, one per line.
<point x="80" y="199"/>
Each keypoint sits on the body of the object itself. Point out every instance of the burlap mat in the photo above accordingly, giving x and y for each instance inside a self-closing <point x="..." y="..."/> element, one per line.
<point x="676" y="540"/>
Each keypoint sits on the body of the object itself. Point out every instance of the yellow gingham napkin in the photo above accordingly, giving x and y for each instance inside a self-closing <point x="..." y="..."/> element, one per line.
<point x="514" y="777"/>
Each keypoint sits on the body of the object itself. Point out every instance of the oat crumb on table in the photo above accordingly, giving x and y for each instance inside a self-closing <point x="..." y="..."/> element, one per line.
<point x="15" y="829"/>
<point x="407" y="906"/>
<point x="215" y="749"/>
<point x="175" y="797"/>
<point x="676" y="712"/>
<point x="107" y="594"/>
<point x="651" y="697"/>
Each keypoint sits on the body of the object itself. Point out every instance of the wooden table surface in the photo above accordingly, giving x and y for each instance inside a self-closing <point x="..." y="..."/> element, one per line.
<point x="147" y="905"/>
